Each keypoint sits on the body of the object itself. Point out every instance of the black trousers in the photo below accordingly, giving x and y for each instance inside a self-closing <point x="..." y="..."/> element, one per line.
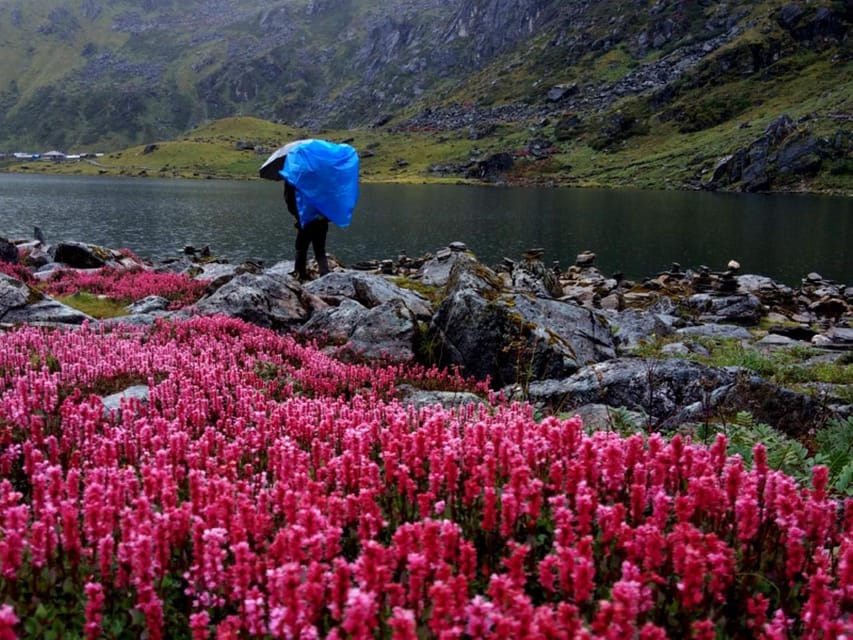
<point x="313" y="234"/>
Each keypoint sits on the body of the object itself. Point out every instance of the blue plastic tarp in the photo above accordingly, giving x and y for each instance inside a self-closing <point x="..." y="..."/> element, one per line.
<point x="325" y="175"/>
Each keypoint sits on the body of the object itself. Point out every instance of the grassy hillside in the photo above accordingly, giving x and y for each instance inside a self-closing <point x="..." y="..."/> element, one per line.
<point x="650" y="96"/>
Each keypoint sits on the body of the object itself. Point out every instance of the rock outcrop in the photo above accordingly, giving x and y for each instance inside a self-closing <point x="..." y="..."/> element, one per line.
<point x="786" y="152"/>
<point x="508" y="335"/>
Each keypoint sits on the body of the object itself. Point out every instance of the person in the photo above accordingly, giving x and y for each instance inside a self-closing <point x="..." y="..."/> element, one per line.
<point x="312" y="234"/>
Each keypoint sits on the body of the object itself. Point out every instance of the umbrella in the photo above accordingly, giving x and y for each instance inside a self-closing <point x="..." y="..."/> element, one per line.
<point x="275" y="163"/>
<point x="325" y="176"/>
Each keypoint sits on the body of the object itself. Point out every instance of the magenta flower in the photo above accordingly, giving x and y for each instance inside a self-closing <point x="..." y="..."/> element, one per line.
<point x="265" y="489"/>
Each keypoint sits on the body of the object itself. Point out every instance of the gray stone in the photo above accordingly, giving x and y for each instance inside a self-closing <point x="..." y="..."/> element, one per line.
<point x="385" y="333"/>
<point x="511" y="337"/>
<point x="789" y="15"/>
<point x="436" y="271"/>
<point x="213" y="270"/>
<point x="560" y="91"/>
<point x="675" y="349"/>
<point x="276" y="302"/>
<point x="673" y="392"/>
<point x="790" y="412"/>
<point x="799" y="155"/>
<point x="600" y="417"/>
<point x="334" y="325"/>
<point x="148" y="305"/>
<point x="140" y="319"/>
<point x="418" y="398"/>
<point x="765" y="289"/>
<point x="716" y="331"/>
<point x="369" y="289"/>
<point x="45" y="271"/>
<point x="776" y="340"/>
<point x="657" y="388"/>
<point x="79" y="255"/>
<point x="584" y="296"/>
<point x="635" y="326"/>
<point x="840" y="336"/>
<point x="585" y="259"/>
<point x="38" y="257"/>
<point x="738" y="308"/>
<point x="138" y="393"/>
<point x="542" y="283"/>
<point x="45" y="312"/>
<point x="13" y="293"/>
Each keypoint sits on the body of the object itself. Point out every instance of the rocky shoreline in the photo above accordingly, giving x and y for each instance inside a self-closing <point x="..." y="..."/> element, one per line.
<point x="567" y="341"/>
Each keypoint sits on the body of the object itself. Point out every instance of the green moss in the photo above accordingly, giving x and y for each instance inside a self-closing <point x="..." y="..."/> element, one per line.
<point x="431" y="292"/>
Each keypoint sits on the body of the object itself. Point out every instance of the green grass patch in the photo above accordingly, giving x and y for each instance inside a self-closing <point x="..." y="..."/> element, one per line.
<point x="785" y="367"/>
<point x="96" y="306"/>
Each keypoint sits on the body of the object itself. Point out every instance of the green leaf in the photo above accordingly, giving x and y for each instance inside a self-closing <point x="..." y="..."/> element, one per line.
<point x="844" y="482"/>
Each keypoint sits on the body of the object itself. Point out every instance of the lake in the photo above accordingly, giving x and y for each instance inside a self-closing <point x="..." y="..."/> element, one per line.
<point x="638" y="233"/>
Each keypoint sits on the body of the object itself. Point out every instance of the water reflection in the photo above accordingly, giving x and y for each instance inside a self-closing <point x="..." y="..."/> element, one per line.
<point x="635" y="232"/>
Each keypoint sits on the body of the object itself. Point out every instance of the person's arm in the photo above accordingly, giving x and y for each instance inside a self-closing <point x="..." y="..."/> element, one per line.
<point x="290" y="199"/>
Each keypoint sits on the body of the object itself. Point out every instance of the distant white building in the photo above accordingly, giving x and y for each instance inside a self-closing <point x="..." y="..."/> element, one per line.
<point x="18" y="155"/>
<point x="56" y="156"/>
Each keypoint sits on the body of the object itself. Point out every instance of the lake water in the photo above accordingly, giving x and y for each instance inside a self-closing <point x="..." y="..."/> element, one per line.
<point x="636" y="232"/>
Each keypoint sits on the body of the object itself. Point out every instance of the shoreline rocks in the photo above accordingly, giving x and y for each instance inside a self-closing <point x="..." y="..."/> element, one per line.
<point x="565" y="340"/>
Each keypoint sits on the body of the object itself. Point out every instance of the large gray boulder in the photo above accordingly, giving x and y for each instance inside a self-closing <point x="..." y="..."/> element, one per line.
<point x="767" y="290"/>
<point x="633" y="327"/>
<point x="660" y="389"/>
<point x="368" y="289"/>
<point x="716" y="332"/>
<point x="21" y="305"/>
<point x="791" y="412"/>
<point x="738" y="308"/>
<point x="436" y="270"/>
<point x="135" y="393"/>
<point x="13" y="293"/>
<point x="420" y="398"/>
<point x="275" y="302"/>
<point x="673" y="392"/>
<point x="81" y="255"/>
<point x="334" y="325"/>
<point x="385" y="333"/>
<point x="352" y="331"/>
<point x="46" y="311"/>
<point x="512" y="337"/>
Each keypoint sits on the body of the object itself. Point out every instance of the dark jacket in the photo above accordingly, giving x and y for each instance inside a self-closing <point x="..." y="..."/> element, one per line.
<point x="290" y="200"/>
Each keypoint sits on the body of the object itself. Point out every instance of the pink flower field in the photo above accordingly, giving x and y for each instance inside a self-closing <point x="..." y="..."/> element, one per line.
<point x="122" y="285"/>
<point x="127" y="285"/>
<point x="265" y="490"/>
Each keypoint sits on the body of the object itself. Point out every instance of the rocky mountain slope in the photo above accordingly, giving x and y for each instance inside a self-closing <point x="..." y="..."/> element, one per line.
<point x="680" y="83"/>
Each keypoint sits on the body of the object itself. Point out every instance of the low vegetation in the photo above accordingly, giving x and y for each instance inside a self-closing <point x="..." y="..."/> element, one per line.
<point x="262" y="488"/>
<point x="266" y="490"/>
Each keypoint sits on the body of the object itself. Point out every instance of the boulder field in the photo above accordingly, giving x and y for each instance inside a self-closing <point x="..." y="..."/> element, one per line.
<point x="568" y="341"/>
